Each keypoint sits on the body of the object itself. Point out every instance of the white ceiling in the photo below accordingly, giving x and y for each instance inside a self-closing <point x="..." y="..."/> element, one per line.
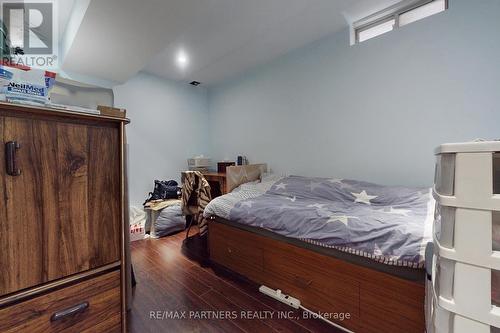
<point x="233" y="36"/>
<point x="221" y="38"/>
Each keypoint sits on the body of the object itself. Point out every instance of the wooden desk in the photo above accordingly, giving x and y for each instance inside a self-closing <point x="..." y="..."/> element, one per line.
<point x="219" y="179"/>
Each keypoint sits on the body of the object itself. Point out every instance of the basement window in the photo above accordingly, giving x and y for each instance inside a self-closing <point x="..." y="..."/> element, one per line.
<point x="376" y="30"/>
<point x="394" y="17"/>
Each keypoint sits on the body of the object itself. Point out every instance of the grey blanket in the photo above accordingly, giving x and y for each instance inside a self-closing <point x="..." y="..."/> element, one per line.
<point x="391" y="225"/>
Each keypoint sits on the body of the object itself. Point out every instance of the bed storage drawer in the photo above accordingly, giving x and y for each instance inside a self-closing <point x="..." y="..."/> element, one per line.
<point x="395" y="312"/>
<point x="319" y="287"/>
<point x="235" y="250"/>
<point x="90" y="306"/>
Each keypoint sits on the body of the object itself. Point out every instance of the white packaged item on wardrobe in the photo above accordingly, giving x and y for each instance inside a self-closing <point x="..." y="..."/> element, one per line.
<point x="25" y="85"/>
<point x="466" y="233"/>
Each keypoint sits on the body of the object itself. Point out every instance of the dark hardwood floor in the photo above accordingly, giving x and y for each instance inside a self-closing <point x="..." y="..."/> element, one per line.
<point x="171" y="282"/>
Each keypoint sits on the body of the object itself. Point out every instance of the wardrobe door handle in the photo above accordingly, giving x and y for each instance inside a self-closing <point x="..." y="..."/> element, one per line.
<point x="74" y="310"/>
<point x="11" y="148"/>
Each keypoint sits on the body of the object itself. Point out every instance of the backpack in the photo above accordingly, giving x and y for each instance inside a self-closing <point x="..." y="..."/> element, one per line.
<point x="164" y="190"/>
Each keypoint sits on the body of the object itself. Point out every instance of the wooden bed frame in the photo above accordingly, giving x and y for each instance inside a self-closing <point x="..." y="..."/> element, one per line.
<point x="376" y="301"/>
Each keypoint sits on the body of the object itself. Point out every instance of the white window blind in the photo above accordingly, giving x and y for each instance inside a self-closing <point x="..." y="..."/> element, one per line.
<point x="396" y="16"/>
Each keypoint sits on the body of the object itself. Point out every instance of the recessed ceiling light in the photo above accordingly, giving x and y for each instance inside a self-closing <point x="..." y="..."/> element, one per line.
<point x="182" y="59"/>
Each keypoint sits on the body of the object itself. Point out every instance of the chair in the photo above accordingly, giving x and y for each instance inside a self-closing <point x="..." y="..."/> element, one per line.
<point x="190" y="193"/>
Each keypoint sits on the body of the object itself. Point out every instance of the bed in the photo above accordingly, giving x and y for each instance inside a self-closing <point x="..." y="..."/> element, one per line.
<point x="340" y="246"/>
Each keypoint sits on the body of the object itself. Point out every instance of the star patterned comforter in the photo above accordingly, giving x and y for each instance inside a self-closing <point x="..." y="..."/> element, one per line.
<point x="391" y="225"/>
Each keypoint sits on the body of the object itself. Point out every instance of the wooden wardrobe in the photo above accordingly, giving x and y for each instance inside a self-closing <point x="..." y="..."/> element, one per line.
<point x="62" y="225"/>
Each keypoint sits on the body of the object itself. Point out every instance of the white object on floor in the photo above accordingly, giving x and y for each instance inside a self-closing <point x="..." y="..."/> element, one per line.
<point x="137" y="223"/>
<point x="295" y="303"/>
<point x="278" y="295"/>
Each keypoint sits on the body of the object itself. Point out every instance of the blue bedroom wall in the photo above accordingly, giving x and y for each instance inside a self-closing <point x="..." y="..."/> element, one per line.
<point x="373" y="111"/>
<point x="169" y="125"/>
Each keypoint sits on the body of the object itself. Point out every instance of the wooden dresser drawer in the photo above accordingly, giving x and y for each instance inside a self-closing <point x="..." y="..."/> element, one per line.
<point x="95" y="304"/>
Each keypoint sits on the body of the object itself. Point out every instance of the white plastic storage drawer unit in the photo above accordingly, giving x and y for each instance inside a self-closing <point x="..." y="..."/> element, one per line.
<point x="444" y="321"/>
<point x="466" y="279"/>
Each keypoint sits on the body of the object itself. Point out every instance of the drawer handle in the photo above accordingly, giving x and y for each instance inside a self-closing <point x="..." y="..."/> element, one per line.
<point x="74" y="310"/>
<point x="303" y="282"/>
<point x="11" y="149"/>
